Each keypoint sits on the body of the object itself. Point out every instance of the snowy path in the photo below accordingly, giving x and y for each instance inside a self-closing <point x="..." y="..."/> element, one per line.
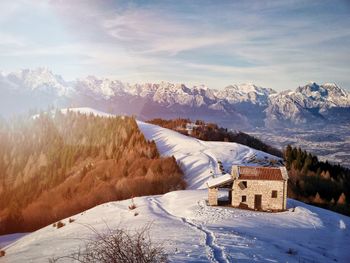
<point x="214" y="252"/>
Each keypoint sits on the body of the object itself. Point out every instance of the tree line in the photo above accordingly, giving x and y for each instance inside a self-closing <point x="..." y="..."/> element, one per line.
<point x="54" y="166"/>
<point x="320" y="183"/>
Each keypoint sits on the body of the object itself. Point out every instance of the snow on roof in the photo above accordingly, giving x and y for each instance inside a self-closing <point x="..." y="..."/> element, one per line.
<point x="219" y="180"/>
<point x="284" y="173"/>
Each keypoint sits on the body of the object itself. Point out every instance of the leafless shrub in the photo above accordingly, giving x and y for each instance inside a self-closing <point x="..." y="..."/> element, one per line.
<point x="133" y="205"/>
<point x="119" y="246"/>
<point x="60" y="224"/>
<point x="71" y="220"/>
<point x="291" y="251"/>
<point x="2" y="253"/>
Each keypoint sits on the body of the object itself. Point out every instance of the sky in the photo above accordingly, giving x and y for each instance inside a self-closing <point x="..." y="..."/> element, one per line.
<point x="274" y="44"/>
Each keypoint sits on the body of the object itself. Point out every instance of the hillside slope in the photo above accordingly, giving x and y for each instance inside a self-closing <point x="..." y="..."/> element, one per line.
<point x="67" y="163"/>
<point x="200" y="159"/>
<point x="190" y="230"/>
<point x="194" y="232"/>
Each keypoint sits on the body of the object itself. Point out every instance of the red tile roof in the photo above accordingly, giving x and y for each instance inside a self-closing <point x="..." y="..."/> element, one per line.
<point x="259" y="173"/>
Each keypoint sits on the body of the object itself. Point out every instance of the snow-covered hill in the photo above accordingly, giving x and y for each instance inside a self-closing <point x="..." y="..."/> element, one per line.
<point x="193" y="232"/>
<point x="190" y="230"/>
<point x="198" y="159"/>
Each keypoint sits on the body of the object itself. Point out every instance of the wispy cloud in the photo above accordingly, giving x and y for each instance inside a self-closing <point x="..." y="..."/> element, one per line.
<point x="279" y="44"/>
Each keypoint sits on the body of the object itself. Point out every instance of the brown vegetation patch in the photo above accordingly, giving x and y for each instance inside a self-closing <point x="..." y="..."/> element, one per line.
<point x="66" y="164"/>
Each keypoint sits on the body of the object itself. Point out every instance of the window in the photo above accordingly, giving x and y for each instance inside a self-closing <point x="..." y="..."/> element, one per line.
<point x="274" y="194"/>
<point x="244" y="198"/>
<point x="242" y="185"/>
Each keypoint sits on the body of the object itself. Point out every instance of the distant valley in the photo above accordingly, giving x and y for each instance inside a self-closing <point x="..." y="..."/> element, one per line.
<point x="329" y="142"/>
<point x="277" y="118"/>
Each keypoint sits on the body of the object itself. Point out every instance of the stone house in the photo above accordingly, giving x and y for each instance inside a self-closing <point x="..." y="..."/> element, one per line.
<point x="258" y="188"/>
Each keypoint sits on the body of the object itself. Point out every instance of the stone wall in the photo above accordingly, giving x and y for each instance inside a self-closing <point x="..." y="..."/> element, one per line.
<point x="260" y="187"/>
<point x="213" y="196"/>
<point x="285" y="194"/>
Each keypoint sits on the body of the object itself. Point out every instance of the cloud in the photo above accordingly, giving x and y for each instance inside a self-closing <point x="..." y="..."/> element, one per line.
<point x="10" y="41"/>
<point x="148" y="32"/>
<point x="273" y="43"/>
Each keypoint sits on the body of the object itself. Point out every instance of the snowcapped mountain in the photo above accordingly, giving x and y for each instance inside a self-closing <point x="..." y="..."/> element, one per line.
<point x="164" y="93"/>
<point x="246" y="93"/>
<point x="152" y="100"/>
<point x="37" y="80"/>
<point x="100" y="88"/>
<point x="311" y="102"/>
<point x="32" y="89"/>
<point x="235" y="106"/>
<point x="324" y="96"/>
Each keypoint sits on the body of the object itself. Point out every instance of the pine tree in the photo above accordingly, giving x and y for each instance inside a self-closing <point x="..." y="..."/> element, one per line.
<point x="341" y="199"/>
<point x="289" y="156"/>
<point x="317" y="199"/>
<point x="307" y="163"/>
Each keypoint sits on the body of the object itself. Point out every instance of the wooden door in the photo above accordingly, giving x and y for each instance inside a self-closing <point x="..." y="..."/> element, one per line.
<point x="257" y="202"/>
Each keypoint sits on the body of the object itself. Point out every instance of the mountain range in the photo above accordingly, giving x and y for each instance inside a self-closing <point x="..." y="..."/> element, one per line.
<point x="235" y="106"/>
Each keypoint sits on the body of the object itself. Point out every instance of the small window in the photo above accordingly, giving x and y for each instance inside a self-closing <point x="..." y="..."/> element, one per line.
<point x="244" y="198"/>
<point x="242" y="185"/>
<point x="274" y="194"/>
